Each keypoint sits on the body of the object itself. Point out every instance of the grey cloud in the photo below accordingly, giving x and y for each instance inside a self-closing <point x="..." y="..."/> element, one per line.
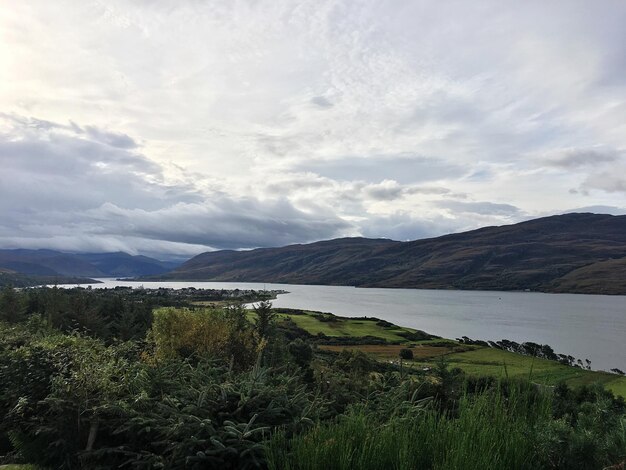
<point x="480" y="175"/>
<point x="113" y="139"/>
<point x="93" y="133"/>
<point x="485" y="208"/>
<point x="289" y="183"/>
<point x="345" y="196"/>
<point x="403" y="169"/>
<point x="64" y="172"/>
<point x="612" y="181"/>
<point x="390" y="190"/>
<point x="321" y="101"/>
<point x="385" y="192"/>
<point x="278" y="145"/>
<point x="31" y="122"/>
<point x="578" y="157"/>
<point x="222" y="222"/>
<point x="77" y="242"/>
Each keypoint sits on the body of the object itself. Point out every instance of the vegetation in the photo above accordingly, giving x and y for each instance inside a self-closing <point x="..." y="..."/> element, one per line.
<point x="138" y="380"/>
<point x="508" y="426"/>
<point x="334" y="327"/>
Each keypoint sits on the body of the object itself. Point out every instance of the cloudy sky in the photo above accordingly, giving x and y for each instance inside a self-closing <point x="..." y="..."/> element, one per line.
<point x="175" y="127"/>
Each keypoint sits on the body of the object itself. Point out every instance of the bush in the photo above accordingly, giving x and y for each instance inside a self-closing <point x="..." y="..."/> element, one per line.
<point x="406" y="354"/>
<point x="206" y="333"/>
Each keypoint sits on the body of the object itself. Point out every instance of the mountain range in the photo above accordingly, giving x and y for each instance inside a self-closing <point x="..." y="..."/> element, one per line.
<point x="579" y="253"/>
<point x="50" y="263"/>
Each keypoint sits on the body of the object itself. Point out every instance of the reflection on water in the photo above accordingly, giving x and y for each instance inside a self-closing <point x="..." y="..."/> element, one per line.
<point x="585" y="326"/>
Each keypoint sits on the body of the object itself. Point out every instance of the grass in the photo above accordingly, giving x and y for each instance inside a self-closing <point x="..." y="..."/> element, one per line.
<point x="617" y="385"/>
<point x="498" y="363"/>
<point x="489" y="432"/>
<point x="335" y="326"/>
<point x="349" y="327"/>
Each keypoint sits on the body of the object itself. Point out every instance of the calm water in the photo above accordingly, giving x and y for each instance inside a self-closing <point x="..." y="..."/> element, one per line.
<point x="585" y="326"/>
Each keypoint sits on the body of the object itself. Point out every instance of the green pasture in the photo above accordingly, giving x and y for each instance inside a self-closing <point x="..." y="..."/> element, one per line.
<point x="498" y="363"/>
<point x="334" y="326"/>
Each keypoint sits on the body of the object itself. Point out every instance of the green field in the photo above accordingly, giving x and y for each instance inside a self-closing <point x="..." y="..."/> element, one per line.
<point x="498" y="363"/>
<point x="335" y="327"/>
<point x="347" y="327"/>
<point x="480" y="361"/>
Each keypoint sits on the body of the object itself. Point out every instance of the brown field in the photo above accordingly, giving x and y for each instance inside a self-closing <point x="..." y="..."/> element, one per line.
<point x="214" y="303"/>
<point x="393" y="350"/>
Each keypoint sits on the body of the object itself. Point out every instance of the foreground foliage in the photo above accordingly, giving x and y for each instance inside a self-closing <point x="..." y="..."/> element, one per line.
<point x="208" y="388"/>
<point x="512" y="427"/>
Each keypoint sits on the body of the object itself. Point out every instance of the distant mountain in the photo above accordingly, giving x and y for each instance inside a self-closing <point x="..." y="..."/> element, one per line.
<point x="583" y="252"/>
<point x="52" y="263"/>
<point x="13" y="279"/>
<point x="122" y="264"/>
<point x="47" y="263"/>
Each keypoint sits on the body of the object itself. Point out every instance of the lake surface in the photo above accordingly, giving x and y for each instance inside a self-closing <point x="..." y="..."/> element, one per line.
<point x="585" y="326"/>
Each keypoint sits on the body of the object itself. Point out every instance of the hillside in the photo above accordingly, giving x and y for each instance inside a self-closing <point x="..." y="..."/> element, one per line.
<point x="50" y="263"/>
<point x="584" y="253"/>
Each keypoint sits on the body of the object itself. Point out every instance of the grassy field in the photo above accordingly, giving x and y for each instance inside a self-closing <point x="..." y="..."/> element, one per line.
<point x="473" y="360"/>
<point x="348" y="327"/>
<point x="488" y="361"/>
<point x="334" y="326"/>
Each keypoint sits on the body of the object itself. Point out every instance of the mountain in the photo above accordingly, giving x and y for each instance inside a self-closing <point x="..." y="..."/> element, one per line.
<point x="123" y="264"/>
<point x="580" y="252"/>
<point x="47" y="263"/>
<point x="13" y="279"/>
<point x="52" y="263"/>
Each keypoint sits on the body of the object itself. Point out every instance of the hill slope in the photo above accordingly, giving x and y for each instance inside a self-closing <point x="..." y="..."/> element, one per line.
<point x="583" y="253"/>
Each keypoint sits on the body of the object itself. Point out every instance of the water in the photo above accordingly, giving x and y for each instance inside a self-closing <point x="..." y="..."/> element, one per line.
<point x="584" y="326"/>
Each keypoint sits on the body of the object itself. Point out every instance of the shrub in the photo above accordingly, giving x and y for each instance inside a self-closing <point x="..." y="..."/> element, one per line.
<point x="216" y="334"/>
<point x="406" y="353"/>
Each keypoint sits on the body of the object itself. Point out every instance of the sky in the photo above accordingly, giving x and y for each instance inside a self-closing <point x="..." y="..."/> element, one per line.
<point x="170" y="128"/>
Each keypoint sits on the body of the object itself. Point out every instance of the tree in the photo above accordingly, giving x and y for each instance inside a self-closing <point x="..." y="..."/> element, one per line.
<point x="11" y="308"/>
<point x="406" y="354"/>
<point x="301" y="352"/>
<point x="265" y="318"/>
